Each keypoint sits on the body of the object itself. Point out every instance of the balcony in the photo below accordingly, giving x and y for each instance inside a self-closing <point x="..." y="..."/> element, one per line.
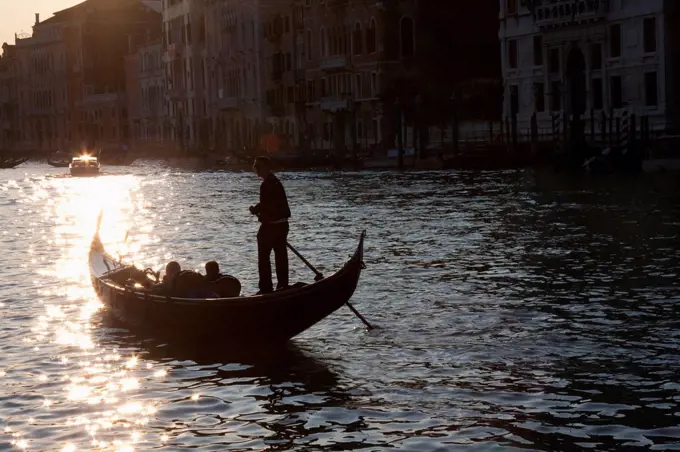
<point x="559" y="13"/>
<point x="335" y="104"/>
<point x="227" y="103"/>
<point x="334" y="63"/>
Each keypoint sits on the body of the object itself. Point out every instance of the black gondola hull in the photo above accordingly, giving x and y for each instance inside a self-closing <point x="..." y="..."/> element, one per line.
<point x="9" y="163"/>
<point x="271" y="318"/>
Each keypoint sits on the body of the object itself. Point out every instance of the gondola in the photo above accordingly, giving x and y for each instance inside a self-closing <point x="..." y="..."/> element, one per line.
<point x="59" y="159"/>
<point x="257" y="319"/>
<point x="59" y="163"/>
<point x="12" y="162"/>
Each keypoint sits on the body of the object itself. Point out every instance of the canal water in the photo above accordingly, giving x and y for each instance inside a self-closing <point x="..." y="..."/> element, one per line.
<point x="516" y="311"/>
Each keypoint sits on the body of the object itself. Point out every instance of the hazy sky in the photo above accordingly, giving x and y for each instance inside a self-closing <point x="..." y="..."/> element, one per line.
<point x="19" y="15"/>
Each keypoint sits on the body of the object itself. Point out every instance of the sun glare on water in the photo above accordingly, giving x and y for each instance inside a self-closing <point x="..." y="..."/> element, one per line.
<point x="97" y="381"/>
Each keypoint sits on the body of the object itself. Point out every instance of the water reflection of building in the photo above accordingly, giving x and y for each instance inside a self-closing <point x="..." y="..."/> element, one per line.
<point x="600" y="55"/>
<point x="8" y="97"/>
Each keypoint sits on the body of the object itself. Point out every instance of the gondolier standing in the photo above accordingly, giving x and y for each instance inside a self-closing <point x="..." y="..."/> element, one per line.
<point x="273" y="212"/>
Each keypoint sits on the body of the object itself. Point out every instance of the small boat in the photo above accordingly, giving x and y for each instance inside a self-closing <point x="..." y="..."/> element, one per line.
<point x="60" y="159"/>
<point x="84" y="165"/>
<point x="11" y="162"/>
<point x="256" y="319"/>
<point x="58" y="163"/>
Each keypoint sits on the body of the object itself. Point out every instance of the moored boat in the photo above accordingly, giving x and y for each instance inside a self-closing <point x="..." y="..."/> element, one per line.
<point x="11" y="162"/>
<point x="269" y="318"/>
<point x="84" y="165"/>
<point x="59" y="159"/>
<point x="58" y="163"/>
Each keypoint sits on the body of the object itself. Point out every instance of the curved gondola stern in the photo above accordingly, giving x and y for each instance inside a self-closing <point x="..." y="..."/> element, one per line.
<point x="99" y="260"/>
<point x="359" y="253"/>
<point x="97" y="244"/>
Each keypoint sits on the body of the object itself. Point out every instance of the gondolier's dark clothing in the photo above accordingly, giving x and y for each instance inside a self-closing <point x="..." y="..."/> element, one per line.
<point x="274" y="212"/>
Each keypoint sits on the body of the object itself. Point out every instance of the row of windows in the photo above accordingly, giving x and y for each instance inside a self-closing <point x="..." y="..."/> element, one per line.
<point x="649" y="45"/>
<point x="597" y="90"/>
<point x="147" y="132"/>
<point x="150" y="61"/>
<point x="153" y="98"/>
<point x="339" y="41"/>
<point x="556" y="11"/>
<point x="359" y="86"/>
<point x="43" y="99"/>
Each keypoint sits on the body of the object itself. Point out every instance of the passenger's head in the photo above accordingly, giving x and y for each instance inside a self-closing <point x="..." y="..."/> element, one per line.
<point x="212" y="269"/>
<point x="262" y="166"/>
<point x="173" y="268"/>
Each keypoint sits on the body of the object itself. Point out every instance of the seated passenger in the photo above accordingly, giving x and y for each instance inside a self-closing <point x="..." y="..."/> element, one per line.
<point x="171" y="271"/>
<point x="212" y="271"/>
<point x="189" y="284"/>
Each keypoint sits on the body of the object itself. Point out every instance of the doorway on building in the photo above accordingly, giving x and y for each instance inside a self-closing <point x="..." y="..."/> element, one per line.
<point x="576" y="82"/>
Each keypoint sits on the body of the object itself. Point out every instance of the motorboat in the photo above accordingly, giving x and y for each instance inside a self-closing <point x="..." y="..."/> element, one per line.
<point x="84" y="165"/>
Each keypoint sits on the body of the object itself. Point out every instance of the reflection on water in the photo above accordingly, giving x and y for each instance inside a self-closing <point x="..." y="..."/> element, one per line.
<point x="516" y="309"/>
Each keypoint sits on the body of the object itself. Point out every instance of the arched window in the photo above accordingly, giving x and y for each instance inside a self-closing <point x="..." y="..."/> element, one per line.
<point x="323" y="42"/>
<point x="357" y="40"/>
<point x="371" y="35"/>
<point x="407" y="36"/>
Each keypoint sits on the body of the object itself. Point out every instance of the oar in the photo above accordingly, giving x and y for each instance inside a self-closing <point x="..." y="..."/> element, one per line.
<point x="320" y="276"/>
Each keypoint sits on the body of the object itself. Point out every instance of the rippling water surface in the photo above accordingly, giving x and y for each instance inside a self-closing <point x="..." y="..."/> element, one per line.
<point x="516" y="310"/>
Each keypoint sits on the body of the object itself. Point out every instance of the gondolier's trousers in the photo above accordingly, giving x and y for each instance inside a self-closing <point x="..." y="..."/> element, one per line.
<point x="272" y="237"/>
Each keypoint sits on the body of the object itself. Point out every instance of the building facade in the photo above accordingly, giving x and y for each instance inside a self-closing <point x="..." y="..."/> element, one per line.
<point x="42" y="87"/>
<point x="585" y="57"/>
<point x="234" y="68"/>
<point x="345" y="60"/>
<point x="145" y="90"/>
<point x="353" y="75"/>
<point x="185" y="57"/>
<point x="9" y="120"/>
<point x="71" y="75"/>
